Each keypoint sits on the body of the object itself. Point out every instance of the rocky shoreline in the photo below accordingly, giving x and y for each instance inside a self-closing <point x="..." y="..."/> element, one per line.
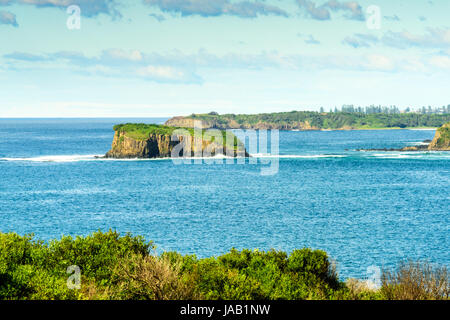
<point x="424" y="147"/>
<point x="441" y="142"/>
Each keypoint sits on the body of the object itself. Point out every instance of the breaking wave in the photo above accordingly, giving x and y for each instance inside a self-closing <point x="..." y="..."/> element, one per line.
<point x="431" y="155"/>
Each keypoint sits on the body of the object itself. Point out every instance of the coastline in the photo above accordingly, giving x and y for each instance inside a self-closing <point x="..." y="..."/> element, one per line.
<point x="371" y="129"/>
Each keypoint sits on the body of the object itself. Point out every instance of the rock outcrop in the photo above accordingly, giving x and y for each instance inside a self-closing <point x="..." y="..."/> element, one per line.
<point x="186" y="122"/>
<point x="441" y="141"/>
<point x="162" y="142"/>
<point x="423" y="147"/>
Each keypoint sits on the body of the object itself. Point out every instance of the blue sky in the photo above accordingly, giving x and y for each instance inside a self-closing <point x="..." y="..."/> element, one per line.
<point x="175" y="57"/>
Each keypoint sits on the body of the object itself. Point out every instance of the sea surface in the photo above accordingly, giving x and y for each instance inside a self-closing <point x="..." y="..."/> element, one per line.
<point x="364" y="209"/>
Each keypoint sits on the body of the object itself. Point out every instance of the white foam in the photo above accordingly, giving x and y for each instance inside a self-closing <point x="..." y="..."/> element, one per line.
<point x="61" y="158"/>
<point x="423" y="129"/>
<point x="295" y="156"/>
<point x="427" y="155"/>
<point x="386" y="155"/>
<point x="418" y="143"/>
<point x="76" y="158"/>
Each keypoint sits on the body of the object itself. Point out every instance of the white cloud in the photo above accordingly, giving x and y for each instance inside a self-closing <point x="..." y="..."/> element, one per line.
<point x="414" y="65"/>
<point x="164" y="73"/>
<point x="440" y="62"/>
<point x="380" y="62"/>
<point x="134" y="55"/>
<point x="433" y="38"/>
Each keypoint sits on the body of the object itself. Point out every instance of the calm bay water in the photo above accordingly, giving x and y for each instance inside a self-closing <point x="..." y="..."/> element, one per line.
<point x="363" y="208"/>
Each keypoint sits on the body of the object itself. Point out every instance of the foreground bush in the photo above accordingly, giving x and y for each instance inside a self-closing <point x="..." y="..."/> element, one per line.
<point x="34" y="270"/>
<point x="149" y="278"/>
<point x="125" y="267"/>
<point x="416" y="281"/>
<point x="242" y="275"/>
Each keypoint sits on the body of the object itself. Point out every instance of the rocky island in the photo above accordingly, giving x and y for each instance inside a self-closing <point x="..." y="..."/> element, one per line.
<point x="157" y="141"/>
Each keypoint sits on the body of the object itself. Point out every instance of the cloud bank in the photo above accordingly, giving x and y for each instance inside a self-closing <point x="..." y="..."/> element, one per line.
<point x="214" y="8"/>
<point x="352" y="10"/>
<point x="8" y="18"/>
<point x="176" y="67"/>
<point x="89" y="8"/>
<point x="434" y="38"/>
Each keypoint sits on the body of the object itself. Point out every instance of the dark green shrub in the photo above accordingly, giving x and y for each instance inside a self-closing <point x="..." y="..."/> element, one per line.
<point x="95" y="254"/>
<point x="247" y="274"/>
<point x="22" y="275"/>
<point x="33" y="270"/>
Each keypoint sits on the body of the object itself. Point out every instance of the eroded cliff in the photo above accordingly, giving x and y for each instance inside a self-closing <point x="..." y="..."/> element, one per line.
<point x="221" y="124"/>
<point x="154" y="141"/>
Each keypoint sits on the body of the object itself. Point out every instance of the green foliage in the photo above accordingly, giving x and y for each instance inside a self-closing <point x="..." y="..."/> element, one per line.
<point x="94" y="254"/>
<point x="250" y="275"/>
<point x="332" y="120"/>
<point x="444" y="139"/>
<point x="34" y="270"/>
<point x="142" y="131"/>
<point x="122" y="267"/>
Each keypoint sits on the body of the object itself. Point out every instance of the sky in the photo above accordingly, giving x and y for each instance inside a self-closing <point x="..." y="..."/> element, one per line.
<point x="158" y="58"/>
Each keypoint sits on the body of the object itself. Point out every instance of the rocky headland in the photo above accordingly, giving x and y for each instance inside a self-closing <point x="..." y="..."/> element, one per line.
<point x="441" y="140"/>
<point x="156" y="141"/>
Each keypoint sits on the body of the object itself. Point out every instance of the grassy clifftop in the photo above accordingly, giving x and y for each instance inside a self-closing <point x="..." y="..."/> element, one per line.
<point x="142" y="131"/>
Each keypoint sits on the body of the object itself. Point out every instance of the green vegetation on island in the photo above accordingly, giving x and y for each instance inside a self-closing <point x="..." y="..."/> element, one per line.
<point x="142" y="131"/>
<point x="308" y="120"/>
<point x="127" y="268"/>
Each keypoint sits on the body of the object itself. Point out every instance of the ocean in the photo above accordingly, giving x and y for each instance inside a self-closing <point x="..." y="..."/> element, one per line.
<point x="365" y="209"/>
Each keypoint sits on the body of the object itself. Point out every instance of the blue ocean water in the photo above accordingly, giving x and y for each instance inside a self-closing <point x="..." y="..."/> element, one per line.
<point x="363" y="208"/>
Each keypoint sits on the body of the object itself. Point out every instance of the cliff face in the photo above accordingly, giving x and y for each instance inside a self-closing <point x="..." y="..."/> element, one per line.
<point x="441" y="141"/>
<point x="232" y="124"/>
<point x="162" y="145"/>
<point x="188" y="123"/>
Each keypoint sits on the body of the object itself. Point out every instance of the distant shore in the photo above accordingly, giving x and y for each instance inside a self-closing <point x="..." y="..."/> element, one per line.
<point x="370" y="129"/>
<point x="312" y="121"/>
<point x="386" y="128"/>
